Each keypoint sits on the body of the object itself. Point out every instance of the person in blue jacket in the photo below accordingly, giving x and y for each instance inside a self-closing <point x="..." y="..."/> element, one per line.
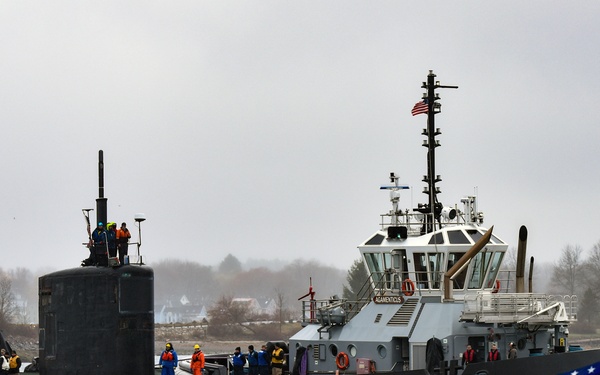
<point x="111" y="237"/>
<point x="264" y="360"/>
<point x="252" y="361"/>
<point x="168" y="360"/>
<point x="100" y="247"/>
<point x="239" y="360"/>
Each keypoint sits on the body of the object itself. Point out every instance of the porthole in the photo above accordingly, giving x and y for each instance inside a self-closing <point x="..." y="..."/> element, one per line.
<point x="333" y="350"/>
<point x="382" y="351"/>
<point x="352" y="350"/>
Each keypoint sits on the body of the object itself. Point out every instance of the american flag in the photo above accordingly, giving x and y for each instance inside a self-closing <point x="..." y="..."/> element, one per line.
<point x="420" y="108"/>
<point x="593" y="369"/>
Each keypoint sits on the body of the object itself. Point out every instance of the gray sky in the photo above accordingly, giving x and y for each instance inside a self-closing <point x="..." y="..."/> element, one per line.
<point x="264" y="128"/>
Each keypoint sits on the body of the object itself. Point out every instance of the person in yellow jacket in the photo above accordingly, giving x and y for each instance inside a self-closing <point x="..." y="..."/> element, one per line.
<point x="14" y="363"/>
<point x="277" y="358"/>
<point x="197" y="360"/>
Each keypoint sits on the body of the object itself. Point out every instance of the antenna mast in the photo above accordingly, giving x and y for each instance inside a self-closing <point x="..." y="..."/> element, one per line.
<point x="433" y="208"/>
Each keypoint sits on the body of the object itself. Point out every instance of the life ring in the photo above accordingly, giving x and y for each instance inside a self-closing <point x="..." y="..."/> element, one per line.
<point x="342" y="361"/>
<point x="408" y="287"/>
<point x="496" y="287"/>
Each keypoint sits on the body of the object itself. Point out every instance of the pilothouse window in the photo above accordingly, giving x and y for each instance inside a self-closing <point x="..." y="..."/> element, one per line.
<point x="376" y="267"/>
<point x="457" y="237"/>
<point x="420" y="270"/>
<point x="436" y="260"/>
<point x="437" y="239"/>
<point x="475" y="234"/>
<point x="495" y="266"/>
<point x="485" y="269"/>
<point x="459" y="280"/>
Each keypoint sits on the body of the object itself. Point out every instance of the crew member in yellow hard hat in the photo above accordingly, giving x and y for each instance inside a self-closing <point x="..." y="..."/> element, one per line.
<point x="168" y="360"/>
<point x="197" y="361"/>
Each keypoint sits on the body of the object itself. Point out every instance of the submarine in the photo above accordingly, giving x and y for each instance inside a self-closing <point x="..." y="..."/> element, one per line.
<point x="98" y="319"/>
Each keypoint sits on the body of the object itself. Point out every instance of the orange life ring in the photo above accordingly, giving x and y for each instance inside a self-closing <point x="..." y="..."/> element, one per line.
<point x="342" y="361"/>
<point x="497" y="287"/>
<point x="408" y="287"/>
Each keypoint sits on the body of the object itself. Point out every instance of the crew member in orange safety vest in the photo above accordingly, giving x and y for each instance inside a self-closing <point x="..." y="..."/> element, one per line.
<point x="197" y="360"/>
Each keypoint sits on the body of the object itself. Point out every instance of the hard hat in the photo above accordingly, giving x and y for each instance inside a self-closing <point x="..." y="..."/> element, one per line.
<point x="100" y="224"/>
<point x="196" y="346"/>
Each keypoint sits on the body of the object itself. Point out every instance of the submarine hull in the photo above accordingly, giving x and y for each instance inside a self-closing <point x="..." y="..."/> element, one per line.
<point x="97" y="320"/>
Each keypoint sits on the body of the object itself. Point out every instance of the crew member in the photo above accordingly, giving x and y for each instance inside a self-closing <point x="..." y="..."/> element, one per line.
<point x="239" y="360"/>
<point x="277" y="358"/>
<point x="168" y="360"/>
<point x="494" y="354"/>
<point x="14" y="363"/>
<point x="252" y="361"/>
<point x="264" y="360"/>
<point x="123" y="237"/>
<point x="100" y="246"/>
<point x="197" y="361"/>
<point x="512" y="353"/>
<point x="469" y="356"/>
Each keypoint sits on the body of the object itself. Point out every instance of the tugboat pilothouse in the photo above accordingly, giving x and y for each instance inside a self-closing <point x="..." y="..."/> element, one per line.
<point x="434" y="287"/>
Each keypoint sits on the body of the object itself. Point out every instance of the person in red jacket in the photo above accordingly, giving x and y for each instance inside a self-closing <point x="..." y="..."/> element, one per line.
<point x="494" y="354"/>
<point x="197" y="360"/>
<point x="469" y="356"/>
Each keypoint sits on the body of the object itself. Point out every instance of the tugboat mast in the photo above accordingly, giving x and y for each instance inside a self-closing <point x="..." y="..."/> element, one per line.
<point x="433" y="209"/>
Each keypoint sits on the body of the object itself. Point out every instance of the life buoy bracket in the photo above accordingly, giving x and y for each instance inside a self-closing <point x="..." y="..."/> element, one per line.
<point x="342" y="361"/>
<point x="408" y="287"/>
<point x="496" y="287"/>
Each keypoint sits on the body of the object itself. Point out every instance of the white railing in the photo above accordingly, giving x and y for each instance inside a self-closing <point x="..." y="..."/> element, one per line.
<point x="529" y="308"/>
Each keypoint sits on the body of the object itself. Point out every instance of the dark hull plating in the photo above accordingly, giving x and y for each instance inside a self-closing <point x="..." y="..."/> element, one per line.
<point x="543" y="365"/>
<point x="97" y="320"/>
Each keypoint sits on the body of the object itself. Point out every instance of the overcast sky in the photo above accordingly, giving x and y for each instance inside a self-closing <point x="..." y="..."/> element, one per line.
<point x="264" y="128"/>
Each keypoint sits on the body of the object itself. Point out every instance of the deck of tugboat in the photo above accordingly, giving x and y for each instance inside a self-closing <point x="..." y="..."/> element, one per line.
<point x="530" y="308"/>
<point x="481" y="307"/>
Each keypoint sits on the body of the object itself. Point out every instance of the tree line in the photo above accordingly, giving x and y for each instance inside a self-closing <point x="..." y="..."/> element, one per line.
<point x="577" y="272"/>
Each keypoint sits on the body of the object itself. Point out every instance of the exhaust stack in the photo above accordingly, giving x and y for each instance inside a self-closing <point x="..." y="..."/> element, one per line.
<point x="521" y="251"/>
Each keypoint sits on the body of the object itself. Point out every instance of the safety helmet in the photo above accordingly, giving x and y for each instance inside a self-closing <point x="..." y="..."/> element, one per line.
<point x="196" y="346"/>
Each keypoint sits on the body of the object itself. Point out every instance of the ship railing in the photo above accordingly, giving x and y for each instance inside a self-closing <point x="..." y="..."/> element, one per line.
<point x="329" y="312"/>
<point x="334" y="311"/>
<point x="523" y="308"/>
<point x="415" y="221"/>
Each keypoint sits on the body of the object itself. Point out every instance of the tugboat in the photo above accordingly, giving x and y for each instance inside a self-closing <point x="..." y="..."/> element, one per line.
<point x="435" y="285"/>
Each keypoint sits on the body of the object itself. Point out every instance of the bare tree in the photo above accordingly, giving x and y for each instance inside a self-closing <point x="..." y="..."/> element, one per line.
<point x="282" y="313"/>
<point x="7" y="300"/>
<point x="228" y="316"/>
<point x="568" y="270"/>
<point x="592" y="268"/>
<point x="588" y="307"/>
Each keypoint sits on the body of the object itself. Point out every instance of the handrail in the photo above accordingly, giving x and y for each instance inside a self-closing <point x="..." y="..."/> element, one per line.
<point x="536" y="308"/>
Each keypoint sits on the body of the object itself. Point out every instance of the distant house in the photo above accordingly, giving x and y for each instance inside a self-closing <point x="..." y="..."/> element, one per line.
<point x="251" y="304"/>
<point x="268" y="306"/>
<point x="181" y="311"/>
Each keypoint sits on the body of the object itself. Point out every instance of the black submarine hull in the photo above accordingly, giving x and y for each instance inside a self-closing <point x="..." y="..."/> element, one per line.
<point x="97" y="320"/>
<point x="552" y="364"/>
